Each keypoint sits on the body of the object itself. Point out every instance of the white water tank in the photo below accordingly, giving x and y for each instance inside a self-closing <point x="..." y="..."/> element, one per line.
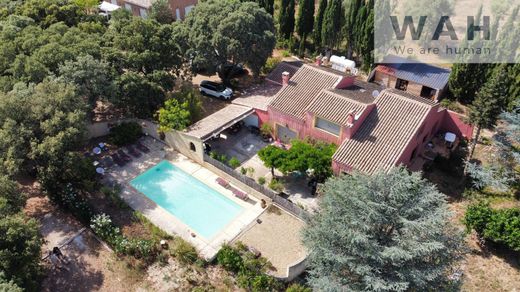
<point x="342" y="64"/>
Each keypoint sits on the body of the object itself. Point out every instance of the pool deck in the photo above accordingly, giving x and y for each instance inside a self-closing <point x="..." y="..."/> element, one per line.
<point x="163" y="219"/>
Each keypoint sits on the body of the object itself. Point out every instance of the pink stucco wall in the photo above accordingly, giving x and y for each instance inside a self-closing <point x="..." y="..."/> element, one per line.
<point x="280" y="118"/>
<point x="454" y="122"/>
<point x="422" y="136"/>
<point x="263" y="116"/>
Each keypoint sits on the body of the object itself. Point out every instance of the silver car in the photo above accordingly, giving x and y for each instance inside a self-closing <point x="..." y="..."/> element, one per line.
<point x="217" y="90"/>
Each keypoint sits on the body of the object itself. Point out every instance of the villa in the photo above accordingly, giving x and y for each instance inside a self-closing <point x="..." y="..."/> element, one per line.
<point x="375" y="127"/>
<point x="141" y="8"/>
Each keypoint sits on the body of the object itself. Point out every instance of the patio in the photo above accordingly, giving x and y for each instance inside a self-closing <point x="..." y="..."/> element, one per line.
<point x="160" y="217"/>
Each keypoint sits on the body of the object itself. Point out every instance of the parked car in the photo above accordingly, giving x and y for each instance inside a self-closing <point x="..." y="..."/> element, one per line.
<point x="215" y="89"/>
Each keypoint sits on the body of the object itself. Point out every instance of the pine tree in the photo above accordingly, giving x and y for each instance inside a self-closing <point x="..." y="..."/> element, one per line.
<point x="331" y="24"/>
<point x="286" y="19"/>
<point x="384" y="232"/>
<point x="318" y="23"/>
<point x="489" y="103"/>
<point x="305" y="18"/>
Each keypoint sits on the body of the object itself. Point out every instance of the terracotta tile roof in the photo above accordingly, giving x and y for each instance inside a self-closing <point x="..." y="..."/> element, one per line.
<point x="334" y="107"/>
<point x="384" y="134"/>
<point x="219" y="121"/>
<point x="303" y="87"/>
<point x="285" y="66"/>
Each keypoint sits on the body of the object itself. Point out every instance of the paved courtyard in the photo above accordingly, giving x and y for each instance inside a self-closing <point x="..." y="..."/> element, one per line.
<point x="277" y="234"/>
<point x="207" y="247"/>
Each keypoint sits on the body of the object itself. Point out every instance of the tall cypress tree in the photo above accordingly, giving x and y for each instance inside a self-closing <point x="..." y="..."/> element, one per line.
<point x="286" y="18"/>
<point x="318" y="23"/>
<point x="331" y="24"/>
<point x="491" y="100"/>
<point x="466" y="79"/>
<point x="268" y="5"/>
<point x="305" y="18"/>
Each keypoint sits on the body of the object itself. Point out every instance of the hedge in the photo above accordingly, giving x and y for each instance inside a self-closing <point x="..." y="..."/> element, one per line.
<point x="501" y="226"/>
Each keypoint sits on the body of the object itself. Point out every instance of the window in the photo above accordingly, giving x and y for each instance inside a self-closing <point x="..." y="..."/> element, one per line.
<point x="128" y="7"/>
<point x="143" y="13"/>
<point x="327" y="126"/>
<point x="401" y="84"/>
<point x="192" y="147"/>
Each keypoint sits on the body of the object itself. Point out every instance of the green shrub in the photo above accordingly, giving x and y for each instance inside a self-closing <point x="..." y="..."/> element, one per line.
<point x="504" y="228"/>
<point x="270" y="64"/>
<point x="286" y="53"/>
<point x="230" y="259"/>
<point x="184" y="252"/>
<point x="102" y="225"/>
<point x="125" y="133"/>
<point x="234" y="162"/>
<point x="500" y="226"/>
<point x="276" y="185"/>
<point x="266" y="129"/>
<point x="113" y="195"/>
<point x="257" y="282"/>
<point x="243" y="171"/>
<point x="261" y="180"/>
<point x="298" y="288"/>
<point x="477" y="216"/>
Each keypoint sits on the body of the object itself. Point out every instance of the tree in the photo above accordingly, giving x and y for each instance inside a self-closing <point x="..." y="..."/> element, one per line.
<point x="174" y="115"/>
<point x="162" y="12"/>
<point x="272" y="157"/>
<point x="20" y="245"/>
<point x="305" y="156"/>
<point x="305" y="21"/>
<point x="268" y="5"/>
<point x="11" y="199"/>
<point x="139" y="96"/>
<point x="51" y="118"/>
<point x="466" y="79"/>
<point x="489" y="103"/>
<point x="286" y="19"/>
<point x="331" y="24"/>
<point x="92" y="78"/>
<point x="386" y="232"/>
<point x="318" y="23"/>
<point x="8" y="286"/>
<point x="244" y="35"/>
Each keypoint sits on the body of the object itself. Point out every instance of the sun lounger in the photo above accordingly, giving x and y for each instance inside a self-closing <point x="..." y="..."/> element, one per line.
<point x="131" y="150"/>
<point x="141" y="147"/>
<point x="240" y="194"/>
<point x="124" y="156"/>
<point x="222" y="182"/>
<point x="118" y="160"/>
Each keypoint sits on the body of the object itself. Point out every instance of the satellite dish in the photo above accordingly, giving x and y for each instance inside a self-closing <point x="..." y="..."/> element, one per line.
<point x="354" y="71"/>
<point x="375" y="93"/>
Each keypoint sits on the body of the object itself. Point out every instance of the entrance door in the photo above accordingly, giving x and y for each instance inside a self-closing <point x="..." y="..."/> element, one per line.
<point x="285" y="134"/>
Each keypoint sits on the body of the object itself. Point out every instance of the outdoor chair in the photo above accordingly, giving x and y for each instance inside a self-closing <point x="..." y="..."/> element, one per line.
<point x="107" y="161"/>
<point x="222" y="182"/>
<point x="124" y="156"/>
<point x="240" y="194"/>
<point x="133" y="152"/>
<point x="120" y="162"/>
<point x="141" y="147"/>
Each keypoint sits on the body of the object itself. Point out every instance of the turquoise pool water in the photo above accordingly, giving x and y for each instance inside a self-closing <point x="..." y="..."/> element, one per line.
<point x="203" y="209"/>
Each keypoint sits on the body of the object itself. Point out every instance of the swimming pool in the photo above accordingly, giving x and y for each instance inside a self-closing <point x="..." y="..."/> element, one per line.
<point x="203" y="209"/>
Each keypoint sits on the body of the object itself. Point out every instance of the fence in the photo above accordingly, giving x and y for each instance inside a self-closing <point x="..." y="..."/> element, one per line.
<point x="280" y="201"/>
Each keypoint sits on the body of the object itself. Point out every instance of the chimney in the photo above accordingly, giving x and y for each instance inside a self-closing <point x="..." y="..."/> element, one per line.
<point x="351" y="118"/>
<point x="285" y="78"/>
<point x="318" y="61"/>
<point x="346" y="82"/>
